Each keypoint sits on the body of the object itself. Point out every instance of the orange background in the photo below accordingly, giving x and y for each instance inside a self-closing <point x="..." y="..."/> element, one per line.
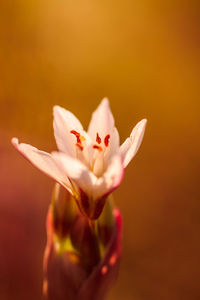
<point x="144" y="56"/>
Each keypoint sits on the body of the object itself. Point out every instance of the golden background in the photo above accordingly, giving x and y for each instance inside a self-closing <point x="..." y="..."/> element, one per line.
<point x="144" y="56"/>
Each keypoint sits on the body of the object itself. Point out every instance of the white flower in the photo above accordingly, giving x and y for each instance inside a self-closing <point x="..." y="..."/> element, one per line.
<point x="90" y="165"/>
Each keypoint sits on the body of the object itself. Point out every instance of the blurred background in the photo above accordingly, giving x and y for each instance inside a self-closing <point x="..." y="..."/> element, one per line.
<point x="144" y="56"/>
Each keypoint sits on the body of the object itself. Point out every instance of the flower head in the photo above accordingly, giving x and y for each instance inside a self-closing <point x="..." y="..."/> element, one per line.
<point x="90" y="165"/>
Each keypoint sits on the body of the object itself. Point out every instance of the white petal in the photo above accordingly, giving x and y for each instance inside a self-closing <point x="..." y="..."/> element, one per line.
<point x="64" y="122"/>
<point x="43" y="161"/>
<point x="76" y="171"/>
<point x="102" y="121"/>
<point x="111" y="179"/>
<point x="131" y="145"/>
<point x="114" y="141"/>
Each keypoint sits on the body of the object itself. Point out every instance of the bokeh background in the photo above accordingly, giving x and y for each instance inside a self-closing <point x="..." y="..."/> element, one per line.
<point x="144" y="56"/>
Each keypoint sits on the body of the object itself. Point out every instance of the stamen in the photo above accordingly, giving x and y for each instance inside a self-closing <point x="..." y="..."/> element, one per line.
<point x="98" y="139"/>
<point x="97" y="147"/>
<point x="106" y="140"/>
<point x="80" y="146"/>
<point x="77" y="135"/>
<point x="79" y="138"/>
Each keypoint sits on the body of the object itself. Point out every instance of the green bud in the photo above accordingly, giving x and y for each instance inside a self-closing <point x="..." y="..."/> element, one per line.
<point x="64" y="211"/>
<point x="106" y="222"/>
<point x="85" y="241"/>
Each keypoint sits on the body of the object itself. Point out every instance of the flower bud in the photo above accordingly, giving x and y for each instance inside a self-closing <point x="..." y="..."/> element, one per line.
<point x="64" y="211"/>
<point x="75" y="267"/>
<point x="85" y="240"/>
<point x="98" y="284"/>
<point x="92" y="209"/>
<point x="106" y="222"/>
<point x="63" y="272"/>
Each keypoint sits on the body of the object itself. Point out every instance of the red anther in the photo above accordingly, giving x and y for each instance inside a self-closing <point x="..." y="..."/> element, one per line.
<point x="80" y="146"/>
<point x="106" y="140"/>
<point x="77" y="135"/>
<point x="97" y="147"/>
<point x="98" y="139"/>
<point x="75" y="132"/>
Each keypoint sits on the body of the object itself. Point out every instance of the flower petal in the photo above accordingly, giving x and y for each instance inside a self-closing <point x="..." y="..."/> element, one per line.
<point x="64" y="122"/>
<point x="102" y="121"/>
<point x="131" y="145"/>
<point x="111" y="179"/>
<point x="43" y="161"/>
<point x="76" y="170"/>
<point x="114" y="142"/>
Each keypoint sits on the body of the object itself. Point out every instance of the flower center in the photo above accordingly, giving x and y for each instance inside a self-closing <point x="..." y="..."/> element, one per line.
<point x="98" y="140"/>
<point x="97" y="163"/>
<point x="99" y="159"/>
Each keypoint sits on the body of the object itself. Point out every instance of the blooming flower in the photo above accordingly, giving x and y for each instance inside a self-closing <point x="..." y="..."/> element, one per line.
<point x="90" y="165"/>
